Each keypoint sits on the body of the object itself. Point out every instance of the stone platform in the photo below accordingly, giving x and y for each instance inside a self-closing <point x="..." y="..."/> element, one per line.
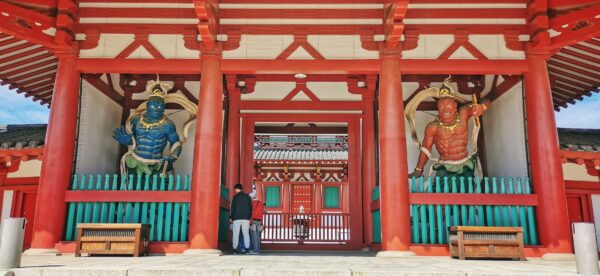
<point x="284" y="264"/>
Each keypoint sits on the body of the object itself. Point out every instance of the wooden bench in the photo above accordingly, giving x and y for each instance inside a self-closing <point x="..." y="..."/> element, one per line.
<point x="486" y="242"/>
<point x="112" y="239"/>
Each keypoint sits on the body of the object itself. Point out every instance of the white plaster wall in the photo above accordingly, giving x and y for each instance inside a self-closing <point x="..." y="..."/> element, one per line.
<point x="31" y="168"/>
<point x="7" y="198"/>
<point x="97" y="150"/>
<point x="596" y="211"/>
<point x="504" y="130"/>
<point x="578" y="173"/>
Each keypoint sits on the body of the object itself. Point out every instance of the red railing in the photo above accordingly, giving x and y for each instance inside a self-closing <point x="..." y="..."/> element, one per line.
<point x="306" y="228"/>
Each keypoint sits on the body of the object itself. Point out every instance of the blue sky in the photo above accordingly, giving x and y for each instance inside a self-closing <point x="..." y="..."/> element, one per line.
<point x="16" y="109"/>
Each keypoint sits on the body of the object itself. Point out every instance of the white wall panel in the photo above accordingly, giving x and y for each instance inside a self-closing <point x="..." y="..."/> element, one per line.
<point x="7" y="198"/>
<point x="96" y="150"/>
<point x="270" y="91"/>
<point x="31" y="168"/>
<point x="577" y="173"/>
<point x="109" y="46"/>
<point x="332" y="91"/>
<point x="504" y="130"/>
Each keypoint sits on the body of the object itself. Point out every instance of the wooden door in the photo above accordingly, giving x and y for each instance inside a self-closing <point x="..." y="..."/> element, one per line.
<point x="302" y="195"/>
<point x="25" y="208"/>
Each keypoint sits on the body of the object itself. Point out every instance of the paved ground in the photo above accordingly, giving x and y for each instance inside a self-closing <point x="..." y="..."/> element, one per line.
<point x="285" y="264"/>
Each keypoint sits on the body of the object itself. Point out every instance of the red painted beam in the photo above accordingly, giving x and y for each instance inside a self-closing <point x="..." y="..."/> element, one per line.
<point x="474" y="199"/>
<point x="127" y="196"/>
<point x="300" y="105"/>
<point x="249" y="66"/>
<point x="576" y="62"/>
<point x="477" y="67"/>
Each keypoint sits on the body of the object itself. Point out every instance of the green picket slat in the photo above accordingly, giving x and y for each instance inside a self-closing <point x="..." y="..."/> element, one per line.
<point x="522" y="215"/>
<point x="504" y="209"/>
<point x="144" y="215"/>
<point x="161" y="213"/>
<point x="71" y="214"/>
<point x="480" y="213"/>
<point x="497" y="217"/>
<point x="432" y="236"/>
<point x="463" y="208"/>
<point x="440" y="217"/>
<point x="87" y="213"/>
<point x="454" y="206"/>
<point x="530" y="216"/>
<point x="184" y="221"/>
<point x="96" y="213"/>
<point x="415" y="214"/>
<point x="168" y="212"/>
<point x="471" y="220"/>
<point x="137" y="205"/>
<point x="80" y="205"/>
<point x="185" y="211"/>
<point x="153" y="210"/>
<point x="104" y="205"/>
<point x="176" y="208"/>
<point x="422" y="209"/>
<point x="113" y="205"/>
<point x="488" y="209"/>
<point x="129" y="205"/>
<point x="513" y="209"/>
<point x="446" y="208"/>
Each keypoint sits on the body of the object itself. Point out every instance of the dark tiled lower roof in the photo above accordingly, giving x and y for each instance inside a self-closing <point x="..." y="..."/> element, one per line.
<point x="577" y="139"/>
<point x="289" y="154"/>
<point x="22" y="136"/>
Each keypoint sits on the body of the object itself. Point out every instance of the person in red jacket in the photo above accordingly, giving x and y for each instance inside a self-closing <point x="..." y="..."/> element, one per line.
<point x="258" y="209"/>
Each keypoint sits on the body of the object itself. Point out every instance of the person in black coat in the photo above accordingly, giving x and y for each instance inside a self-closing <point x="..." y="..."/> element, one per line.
<point x="240" y="214"/>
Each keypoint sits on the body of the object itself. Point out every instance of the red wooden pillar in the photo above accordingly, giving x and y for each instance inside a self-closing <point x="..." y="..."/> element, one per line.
<point x="232" y="169"/>
<point x="395" y="216"/>
<point x="57" y="165"/>
<point x="368" y="158"/>
<point x="546" y="168"/>
<point x="206" y="180"/>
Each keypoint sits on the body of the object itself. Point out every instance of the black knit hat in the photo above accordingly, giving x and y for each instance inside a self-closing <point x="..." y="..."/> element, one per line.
<point x="238" y="186"/>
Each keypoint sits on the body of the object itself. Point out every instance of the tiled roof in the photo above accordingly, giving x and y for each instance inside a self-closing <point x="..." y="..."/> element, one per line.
<point x="286" y="154"/>
<point x="575" y="139"/>
<point x="22" y="136"/>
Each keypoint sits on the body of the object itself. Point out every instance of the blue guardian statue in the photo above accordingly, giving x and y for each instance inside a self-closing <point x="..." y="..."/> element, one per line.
<point x="148" y="131"/>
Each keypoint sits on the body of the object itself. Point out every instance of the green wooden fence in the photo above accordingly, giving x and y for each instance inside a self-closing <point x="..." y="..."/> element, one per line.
<point x="168" y="220"/>
<point x="429" y="222"/>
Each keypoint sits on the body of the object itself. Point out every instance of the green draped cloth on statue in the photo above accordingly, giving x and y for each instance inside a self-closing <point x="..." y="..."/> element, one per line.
<point x="465" y="169"/>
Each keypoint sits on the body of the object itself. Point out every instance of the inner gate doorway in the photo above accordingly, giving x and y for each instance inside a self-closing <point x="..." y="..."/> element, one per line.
<point x="304" y="168"/>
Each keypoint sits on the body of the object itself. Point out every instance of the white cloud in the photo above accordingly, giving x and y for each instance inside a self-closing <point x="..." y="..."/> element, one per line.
<point x="584" y="114"/>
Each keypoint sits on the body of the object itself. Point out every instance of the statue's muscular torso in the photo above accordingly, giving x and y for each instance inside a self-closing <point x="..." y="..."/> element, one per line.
<point x="450" y="144"/>
<point x="151" y="142"/>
